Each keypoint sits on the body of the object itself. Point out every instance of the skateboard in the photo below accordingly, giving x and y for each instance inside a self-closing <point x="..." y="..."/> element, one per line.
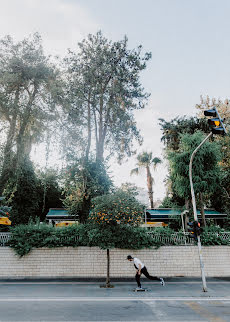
<point x="142" y="290"/>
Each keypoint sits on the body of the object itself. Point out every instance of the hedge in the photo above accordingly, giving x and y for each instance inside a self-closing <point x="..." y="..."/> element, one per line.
<point x="26" y="237"/>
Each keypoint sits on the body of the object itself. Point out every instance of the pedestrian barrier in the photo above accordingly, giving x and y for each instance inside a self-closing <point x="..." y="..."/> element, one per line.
<point x="4" y="237"/>
<point x="178" y="239"/>
<point x="174" y="239"/>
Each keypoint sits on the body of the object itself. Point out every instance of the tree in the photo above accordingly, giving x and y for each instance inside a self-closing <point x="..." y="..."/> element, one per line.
<point x="221" y="199"/>
<point x="206" y="170"/>
<point x="49" y="192"/>
<point x="129" y="188"/>
<point x="22" y="193"/>
<point x="145" y="161"/>
<point x="180" y="125"/>
<point x="85" y="180"/>
<point x="105" y="89"/>
<point x="110" y="212"/>
<point x="28" y="92"/>
<point x="171" y="136"/>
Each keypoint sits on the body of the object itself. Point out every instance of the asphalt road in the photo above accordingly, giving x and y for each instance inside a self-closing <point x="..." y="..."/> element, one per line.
<point x="179" y="300"/>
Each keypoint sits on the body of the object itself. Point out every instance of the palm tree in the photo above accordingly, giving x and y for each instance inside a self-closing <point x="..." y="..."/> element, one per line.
<point x="145" y="161"/>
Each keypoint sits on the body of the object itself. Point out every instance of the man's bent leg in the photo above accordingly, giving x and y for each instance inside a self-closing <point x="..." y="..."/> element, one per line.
<point x="145" y="272"/>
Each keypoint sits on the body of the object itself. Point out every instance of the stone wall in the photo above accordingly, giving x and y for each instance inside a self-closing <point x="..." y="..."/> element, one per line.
<point x="91" y="262"/>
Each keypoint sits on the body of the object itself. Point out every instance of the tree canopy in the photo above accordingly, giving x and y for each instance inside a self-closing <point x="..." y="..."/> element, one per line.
<point x="104" y="90"/>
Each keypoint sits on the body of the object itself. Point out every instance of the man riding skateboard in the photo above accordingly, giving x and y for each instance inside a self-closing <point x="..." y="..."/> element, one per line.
<point x="141" y="269"/>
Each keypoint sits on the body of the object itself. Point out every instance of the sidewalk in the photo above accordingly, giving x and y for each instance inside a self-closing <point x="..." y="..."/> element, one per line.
<point x="174" y="288"/>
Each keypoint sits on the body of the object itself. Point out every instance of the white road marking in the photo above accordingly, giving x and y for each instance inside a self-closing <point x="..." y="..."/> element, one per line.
<point x="98" y="283"/>
<point x="111" y="299"/>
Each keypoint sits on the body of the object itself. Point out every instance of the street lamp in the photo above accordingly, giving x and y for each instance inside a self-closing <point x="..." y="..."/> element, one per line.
<point x="217" y="128"/>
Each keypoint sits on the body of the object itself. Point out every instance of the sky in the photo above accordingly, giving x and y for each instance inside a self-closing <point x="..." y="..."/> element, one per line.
<point x="189" y="41"/>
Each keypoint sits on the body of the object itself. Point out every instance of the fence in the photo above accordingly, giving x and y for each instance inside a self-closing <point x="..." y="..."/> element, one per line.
<point x="180" y="239"/>
<point x="174" y="239"/>
<point x="4" y="237"/>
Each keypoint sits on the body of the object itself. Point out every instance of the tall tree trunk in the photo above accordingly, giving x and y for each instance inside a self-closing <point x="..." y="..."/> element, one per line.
<point x="202" y="209"/>
<point x="108" y="270"/>
<point x="24" y="142"/>
<point x="88" y="129"/>
<point x="150" y="186"/>
<point x="7" y="154"/>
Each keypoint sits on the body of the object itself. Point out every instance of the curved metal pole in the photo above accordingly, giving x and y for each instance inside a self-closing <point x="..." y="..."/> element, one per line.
<point x="195" y="211"/>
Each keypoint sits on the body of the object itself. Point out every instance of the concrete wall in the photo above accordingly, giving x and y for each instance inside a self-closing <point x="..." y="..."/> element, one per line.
<point x="91" y="262"/>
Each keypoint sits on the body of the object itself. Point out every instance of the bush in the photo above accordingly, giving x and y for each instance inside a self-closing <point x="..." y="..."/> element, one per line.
<point x="26" y="237"/>
<point x="213" y="236"/>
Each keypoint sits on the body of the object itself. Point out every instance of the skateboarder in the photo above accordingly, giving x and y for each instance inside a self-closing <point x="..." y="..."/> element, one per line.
<point x="140" y="267"/>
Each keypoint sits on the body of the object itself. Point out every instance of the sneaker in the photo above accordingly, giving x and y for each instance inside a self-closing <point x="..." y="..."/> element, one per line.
<point x="162" y="281"/>
<point x="139" y="289"/>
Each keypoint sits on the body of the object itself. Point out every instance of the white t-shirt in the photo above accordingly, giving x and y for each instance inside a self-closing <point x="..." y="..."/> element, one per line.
<point x="137" y="262"/>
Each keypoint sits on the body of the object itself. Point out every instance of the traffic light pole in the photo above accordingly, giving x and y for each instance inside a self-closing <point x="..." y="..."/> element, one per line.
<point x="195" y="212"/>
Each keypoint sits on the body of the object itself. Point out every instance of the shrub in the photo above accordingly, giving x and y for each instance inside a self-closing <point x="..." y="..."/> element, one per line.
<point x="26" y="237"/>
<point x="212" y="235"/>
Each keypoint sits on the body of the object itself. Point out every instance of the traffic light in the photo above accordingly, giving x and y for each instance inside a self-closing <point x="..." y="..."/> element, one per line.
<point x="192" y="229"/>
<point x="198" y="229"/>
<point x="195" y="229"/>
<point x="215" y="122"/>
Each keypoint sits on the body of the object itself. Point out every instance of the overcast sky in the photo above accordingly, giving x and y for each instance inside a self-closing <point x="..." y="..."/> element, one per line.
<point x="189" y="41"/>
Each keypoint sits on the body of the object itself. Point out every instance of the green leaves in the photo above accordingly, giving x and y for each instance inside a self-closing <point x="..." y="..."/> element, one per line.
<point x="104" y="90"/>
<point x="85" y="180"/>
<point x="26" y="237"/>
<point x="206" y="171"/>
<point x="117" y="208"/>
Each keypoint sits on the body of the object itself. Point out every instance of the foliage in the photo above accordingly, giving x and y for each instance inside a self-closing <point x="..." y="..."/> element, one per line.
<point x="212" y="236"/>
<point x="26" y="237"/>
<point x="104" y="90"/>
<point x="220" y="199"/>
<point x="28" y="92"/>
<point x="49" y="192"/>
<point x="130" y="188"/>
<point x="171" y="130"/>
<point x="22" y="194"/>
<point x="206" y="172"/>
<point x="117" y="208"/>
<point x="85" y="180"/>
<point x="4" y="211"/>
<point x="172" y="202"/>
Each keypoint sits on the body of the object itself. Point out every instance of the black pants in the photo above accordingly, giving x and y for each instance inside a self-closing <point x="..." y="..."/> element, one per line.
<point x="145" y="272"/>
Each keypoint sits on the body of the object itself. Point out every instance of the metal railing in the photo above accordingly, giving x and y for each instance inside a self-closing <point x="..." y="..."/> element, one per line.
<point x="4" y="237"/>
<point x="182" y="240"/>
<point x="175" y="239"/>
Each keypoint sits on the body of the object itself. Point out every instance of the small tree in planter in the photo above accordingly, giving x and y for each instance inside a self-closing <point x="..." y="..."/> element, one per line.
<point x="111" y="213"/>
